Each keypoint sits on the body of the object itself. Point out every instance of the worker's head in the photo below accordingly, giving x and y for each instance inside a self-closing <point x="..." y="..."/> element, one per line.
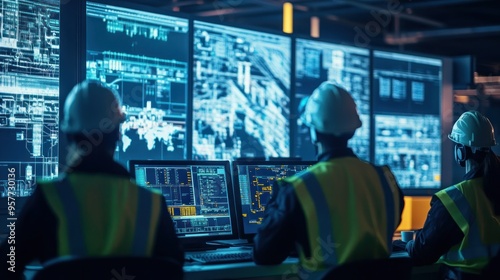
<point x="473" y="135"/>
<point x="331" y="115"/>
<point x="92" y="117"/>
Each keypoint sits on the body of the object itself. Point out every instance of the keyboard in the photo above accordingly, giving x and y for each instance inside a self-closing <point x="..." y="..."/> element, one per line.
<point x="221" y="257"/>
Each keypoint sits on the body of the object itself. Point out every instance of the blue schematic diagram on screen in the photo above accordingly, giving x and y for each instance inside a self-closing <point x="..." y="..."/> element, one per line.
<point x="29" y="93"/>
<point x="241" y="93"/>
<point x="144" y="56"/>
<point x="346" y="66"/>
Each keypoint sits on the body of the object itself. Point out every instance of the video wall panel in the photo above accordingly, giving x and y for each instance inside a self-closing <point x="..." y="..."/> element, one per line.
<point x="346" y="66"/>
<point x="406" y="104"/>
<point x="29" y="94"/>
<point x="241" y="93"/>
<point x="144" y="56"/>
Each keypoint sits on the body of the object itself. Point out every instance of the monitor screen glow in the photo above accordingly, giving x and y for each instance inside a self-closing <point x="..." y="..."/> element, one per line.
<point x="241" y="93"/>
<point x="144" y="56"/>
<point x="406" y="105"/>
<point x="199" y="196"/>
<point x="346" y="66"/>
<point x="254" y="181"/>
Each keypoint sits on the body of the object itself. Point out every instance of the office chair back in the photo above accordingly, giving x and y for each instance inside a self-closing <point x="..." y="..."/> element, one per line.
<point x="387" y="269"/>
<point x="110" y="268"/>
<point x="492" y="270"/>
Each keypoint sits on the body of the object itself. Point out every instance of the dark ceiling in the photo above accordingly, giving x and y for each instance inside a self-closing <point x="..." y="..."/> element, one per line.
<point x="438" y="27"/>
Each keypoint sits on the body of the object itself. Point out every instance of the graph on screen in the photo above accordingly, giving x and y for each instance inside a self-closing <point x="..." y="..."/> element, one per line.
<point x="241" y="93"/>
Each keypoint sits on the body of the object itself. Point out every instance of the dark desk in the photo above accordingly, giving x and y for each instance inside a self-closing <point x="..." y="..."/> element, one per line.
<point x="248" y="270"/>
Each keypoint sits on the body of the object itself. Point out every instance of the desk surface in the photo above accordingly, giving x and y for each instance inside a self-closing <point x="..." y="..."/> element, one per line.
<point x="249" y="270"/>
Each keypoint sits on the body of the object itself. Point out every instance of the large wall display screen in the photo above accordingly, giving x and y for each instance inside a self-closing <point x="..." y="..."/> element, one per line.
<point x="406" y="105"/>
<point x="144" y="56"/>
<point x="346" y="66"/>
<point x="241" y="93"/>
<point x="29" y="94"/>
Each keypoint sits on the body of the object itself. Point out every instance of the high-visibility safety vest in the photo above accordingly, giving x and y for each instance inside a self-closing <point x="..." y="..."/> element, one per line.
<point x="102" y="215"/>
<point x="473" y="213"/>
<point x="351" y="208"/>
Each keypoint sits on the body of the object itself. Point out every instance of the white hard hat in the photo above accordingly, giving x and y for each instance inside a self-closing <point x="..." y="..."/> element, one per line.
<point x="91" y="105"/>
<point x="474" y="130"/>
<point x="331" y="110"/>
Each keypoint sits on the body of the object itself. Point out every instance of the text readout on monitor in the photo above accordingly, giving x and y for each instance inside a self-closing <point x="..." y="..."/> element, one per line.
<point x="197" y="196"/>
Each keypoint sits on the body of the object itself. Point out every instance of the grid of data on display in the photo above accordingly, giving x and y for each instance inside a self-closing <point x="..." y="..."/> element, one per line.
<point x="197" y="196"/>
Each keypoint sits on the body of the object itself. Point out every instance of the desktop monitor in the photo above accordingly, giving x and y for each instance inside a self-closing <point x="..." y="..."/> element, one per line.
<point x="253" y="187"/>
<point x="241" y="101"/>
<point x="29" y="95"/>
<point x="144" y="56"/>
<point x="199" y="197"/>
<point x="346" y="66"/>
<point x="407" y="94"/>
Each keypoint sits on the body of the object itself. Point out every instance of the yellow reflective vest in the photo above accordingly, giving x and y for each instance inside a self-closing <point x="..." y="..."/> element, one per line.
<point x="351" y="208"/>
<point x="473" y="213"/>
<point x="101" y="215"/>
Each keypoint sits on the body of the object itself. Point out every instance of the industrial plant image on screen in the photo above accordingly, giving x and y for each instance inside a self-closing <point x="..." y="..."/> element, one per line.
<point x="346" y="66"/>
<point x="144" y="56"/>
<point x="29" y="94"/>
<point x="241" y="93"/>
<point x="406" y="104"/>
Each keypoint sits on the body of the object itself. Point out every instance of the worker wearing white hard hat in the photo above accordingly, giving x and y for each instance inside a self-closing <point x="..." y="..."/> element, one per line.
<point x="93" y="208"/>
<point x="462" y="229"/>
<point x="356" y="202"/>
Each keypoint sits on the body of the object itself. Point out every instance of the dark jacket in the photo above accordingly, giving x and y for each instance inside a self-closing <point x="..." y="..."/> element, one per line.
<point x="36" y="226"/>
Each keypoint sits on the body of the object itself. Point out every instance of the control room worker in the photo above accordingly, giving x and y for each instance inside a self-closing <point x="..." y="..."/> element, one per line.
<point x="340" y="210"/>
<point x="93" y="208"/>
<point x="462" y="229"/>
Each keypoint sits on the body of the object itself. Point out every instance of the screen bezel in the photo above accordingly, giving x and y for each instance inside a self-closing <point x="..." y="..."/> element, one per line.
<point x="236" y="184"/>
<point x="199" y="241"/>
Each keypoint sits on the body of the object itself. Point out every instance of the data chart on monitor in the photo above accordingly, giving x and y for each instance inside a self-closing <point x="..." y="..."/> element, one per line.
<point x="346" y="66"/>
<point x="144" y="56"/>
<point x="241" y="93"/>
<point x="256" y="182"/>
<point x="406" y="104"/>
<point x="29" y="94"/>
<point x="197" y="196"/>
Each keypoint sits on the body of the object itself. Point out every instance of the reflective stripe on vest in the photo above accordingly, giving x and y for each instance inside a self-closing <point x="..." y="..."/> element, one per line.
<point x="467" y="223"/>
<point x="324" y="221"/>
